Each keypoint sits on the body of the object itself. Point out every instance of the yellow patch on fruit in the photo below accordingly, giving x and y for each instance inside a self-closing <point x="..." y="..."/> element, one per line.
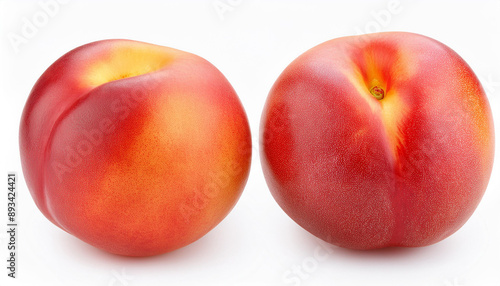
<point x="375" y="73"/>
<point x="126" y="61"/>
<point x="393" y="111"/>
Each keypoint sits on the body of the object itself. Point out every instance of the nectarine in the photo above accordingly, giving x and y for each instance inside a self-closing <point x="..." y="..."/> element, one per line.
<point x="378" y="140"/>
<point x="134" y="148"/>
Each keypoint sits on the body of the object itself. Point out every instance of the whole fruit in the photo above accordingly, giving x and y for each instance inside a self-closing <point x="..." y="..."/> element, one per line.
<point x="378" y="140"/>
<point x="134" y="148"/>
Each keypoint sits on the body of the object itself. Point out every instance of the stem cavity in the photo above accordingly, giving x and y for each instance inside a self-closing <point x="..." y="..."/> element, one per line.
<point x="377" y="92"/>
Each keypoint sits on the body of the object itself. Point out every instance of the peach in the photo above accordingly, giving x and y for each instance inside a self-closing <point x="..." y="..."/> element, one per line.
<point x="378" y="140"/>
<point x="134" y="148"/>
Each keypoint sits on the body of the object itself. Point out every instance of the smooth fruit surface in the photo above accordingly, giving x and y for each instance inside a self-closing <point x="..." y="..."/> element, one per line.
<point x="378" y="140"/>
<point x="134" y="148"/>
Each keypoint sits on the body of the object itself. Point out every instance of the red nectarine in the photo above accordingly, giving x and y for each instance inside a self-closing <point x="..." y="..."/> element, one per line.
<point x="134" y="148"/>
<point x="378" y="140"/>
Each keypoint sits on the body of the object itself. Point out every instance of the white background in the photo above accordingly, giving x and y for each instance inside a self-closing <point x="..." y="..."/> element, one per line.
<point x="251" y="43"/>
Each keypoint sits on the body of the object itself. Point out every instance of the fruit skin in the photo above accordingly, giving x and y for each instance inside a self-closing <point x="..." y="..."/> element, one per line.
<point x="362" y="173"/>
<point x="134" y="148"/>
